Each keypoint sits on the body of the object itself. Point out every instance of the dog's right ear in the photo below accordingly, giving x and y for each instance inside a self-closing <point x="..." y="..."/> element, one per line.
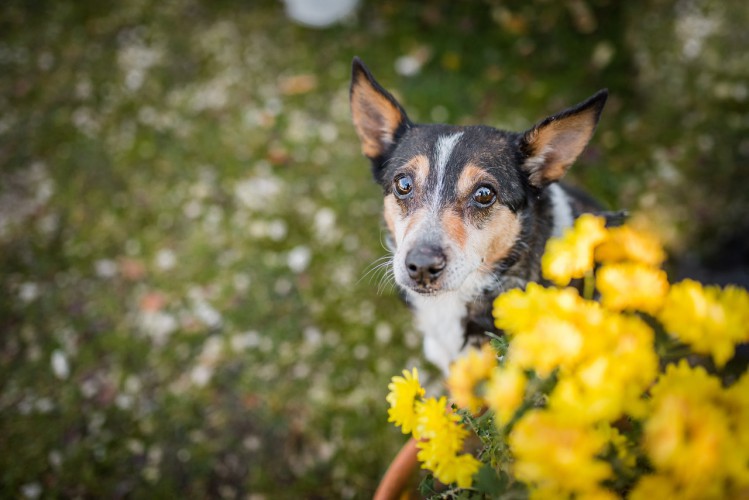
<point x="378" y="118"/>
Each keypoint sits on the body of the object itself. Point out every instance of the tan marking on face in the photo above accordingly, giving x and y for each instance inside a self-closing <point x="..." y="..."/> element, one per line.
<point x="454" y="228"/>
<point x="419" y="165"/>
<point x="390" y="213"/>
<point x="395" y="221"/>
<point x="469" y="177"/>
<point x="499" y="234"/>
<point x="375" y="118"/>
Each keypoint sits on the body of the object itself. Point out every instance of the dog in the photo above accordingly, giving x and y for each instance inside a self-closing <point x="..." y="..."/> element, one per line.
<point x="468" y="209"/>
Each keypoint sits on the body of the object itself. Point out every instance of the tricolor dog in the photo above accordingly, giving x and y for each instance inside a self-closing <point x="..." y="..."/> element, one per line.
<point x="468" y="209"/>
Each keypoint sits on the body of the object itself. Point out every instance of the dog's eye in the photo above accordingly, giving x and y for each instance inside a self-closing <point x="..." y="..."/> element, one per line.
<point x="403" y="185"/>
<point x="484" y="196"/>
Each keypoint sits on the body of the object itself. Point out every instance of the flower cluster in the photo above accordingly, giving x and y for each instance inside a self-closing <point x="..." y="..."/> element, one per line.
<point x="438" y="430"/>
<point x="595" y="398"/>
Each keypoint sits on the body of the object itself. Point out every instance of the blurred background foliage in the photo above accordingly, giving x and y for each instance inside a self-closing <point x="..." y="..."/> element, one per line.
<point x="187" y="226"/>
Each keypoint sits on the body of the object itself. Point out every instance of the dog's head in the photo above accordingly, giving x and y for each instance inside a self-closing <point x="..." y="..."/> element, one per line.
<point x="455" y="197"/>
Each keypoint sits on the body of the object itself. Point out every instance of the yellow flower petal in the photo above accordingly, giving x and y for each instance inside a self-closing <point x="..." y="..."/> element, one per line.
<point x="404" y="395"/>
<point x="571" y="255"/>
<point x="629" y="286"/>
<point x="506" y="392"/>
<point x="625" y="244"/>
<point x="712" y="321"/>
<point x="467" y="373"/>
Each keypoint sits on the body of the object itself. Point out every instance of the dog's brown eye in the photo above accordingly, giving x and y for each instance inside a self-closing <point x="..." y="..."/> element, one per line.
<point x="403" y="185"/>
<point x="484" y="196"/>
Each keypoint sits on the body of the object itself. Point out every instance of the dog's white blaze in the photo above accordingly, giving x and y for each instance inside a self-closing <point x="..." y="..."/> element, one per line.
<point x="444" y="147"/>
<point x="563" y="217"/>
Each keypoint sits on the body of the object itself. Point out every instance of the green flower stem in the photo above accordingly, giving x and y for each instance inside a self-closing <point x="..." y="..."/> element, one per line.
<point x="589" y="285"/>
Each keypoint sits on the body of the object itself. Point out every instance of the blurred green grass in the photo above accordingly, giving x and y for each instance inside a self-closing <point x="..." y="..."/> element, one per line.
<point x="186" y="224"/>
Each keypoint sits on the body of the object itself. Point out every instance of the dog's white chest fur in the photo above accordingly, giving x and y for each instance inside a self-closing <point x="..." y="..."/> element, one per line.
<point x="440" y="319"/>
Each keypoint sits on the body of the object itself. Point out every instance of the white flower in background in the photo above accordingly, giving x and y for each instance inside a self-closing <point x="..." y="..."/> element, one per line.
<point x="166" y="259"/>
<point x="411" y="64"/>
<point x="242" y="341"/>
<point x="201" y="375"/>
<point x="44" y="405"/>
<point x="28" y="292"/>
<point x="277" y="229"/>
<point x="383" y="333"/>
<point x="158" y="325"/>
<point x="319" y="13"/>
<point x="60" y="366"/>
<point x="202" y="310"/>
<point x="55" y="458"/>
<point x="206" y="313"/>
<point x="258" y="192"/>
<point x="209" y="358"/>
<point x="135" y="59"/>
<point x="299" y="258"/>
<point x="241" y="282"/>
<point x="328" y="133"/>
<point x="105" y="268"/>
<point x="326" y="230"/>
<point x="361" y="352"/>
<point x="312" y="336"/>
<point x="31" y="490"/>
<point x="22" y="194"/>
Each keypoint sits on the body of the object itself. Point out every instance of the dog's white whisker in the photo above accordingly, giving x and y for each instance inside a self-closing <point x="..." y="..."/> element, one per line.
<point x="387" y="280"/>
<point x="377" y="267"/>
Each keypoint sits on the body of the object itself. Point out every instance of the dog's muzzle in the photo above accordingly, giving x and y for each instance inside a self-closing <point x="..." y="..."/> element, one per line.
<point x="425" y="265"/>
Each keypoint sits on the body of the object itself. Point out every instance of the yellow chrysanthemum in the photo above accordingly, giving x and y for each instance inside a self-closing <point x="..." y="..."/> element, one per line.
<point x="441" y="439"/>
<point x="550" y="454"/>
<point x="551" y="343"/>
<point x="597" y="391"/>
<point x="458" y="469"/>
<point x="625" y="244"/>
<point x="575" y="401"/>
<point x="518" y="311"/>
<point x="506" y="392"/>
<point x="630" y="286"/>
<point x="709" y="319"/>
<point x="688" y="436"/>
<point x="440" y="433"/>
<point x="571" y="255"/>
<point x="404" y="395"/>
<point x="467" y="373"/>
<point x="434" y="419"/>
<point x="635" y="363"/>
<point x="606" y="386"/>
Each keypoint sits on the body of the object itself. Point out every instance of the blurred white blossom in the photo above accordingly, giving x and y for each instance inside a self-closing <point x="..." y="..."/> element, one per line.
<point x="299" y="258"/>
<point x="60" y="366"/>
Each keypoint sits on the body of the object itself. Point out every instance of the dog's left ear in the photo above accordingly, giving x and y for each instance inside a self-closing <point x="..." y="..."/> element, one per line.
<point x="377" y="116"/>
<point x="553" y="144"/>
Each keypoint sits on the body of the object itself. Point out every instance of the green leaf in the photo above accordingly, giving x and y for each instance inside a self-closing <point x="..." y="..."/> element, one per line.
<point x="489" y="481"/>
<point x="426" y="488"/>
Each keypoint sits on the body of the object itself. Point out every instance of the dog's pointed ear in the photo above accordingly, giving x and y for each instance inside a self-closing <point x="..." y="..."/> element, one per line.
<point x="553" y="144"/>
<point x="377" y="116"/>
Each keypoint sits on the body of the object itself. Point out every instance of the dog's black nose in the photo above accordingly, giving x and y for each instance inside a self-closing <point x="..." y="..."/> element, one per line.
<point x="425" y="264"/>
